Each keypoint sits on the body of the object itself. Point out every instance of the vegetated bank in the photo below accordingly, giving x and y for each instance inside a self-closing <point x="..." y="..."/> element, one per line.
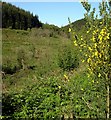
<point x="44" y="77"/>
<point x="35" y="65"/>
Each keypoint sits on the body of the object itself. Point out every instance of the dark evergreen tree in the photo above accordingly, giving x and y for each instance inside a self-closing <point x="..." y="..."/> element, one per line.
<point x="0" y="15"/>
<point x="16" y="18"/>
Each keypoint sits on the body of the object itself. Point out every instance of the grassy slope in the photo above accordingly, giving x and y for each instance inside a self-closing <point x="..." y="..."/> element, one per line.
<point x="41" y="54"/>
<point x="78" y="26"/>
<point x="44" y="61"/>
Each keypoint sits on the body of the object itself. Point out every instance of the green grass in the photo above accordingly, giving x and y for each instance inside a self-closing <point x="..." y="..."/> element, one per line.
<point x="43" y="80"/>
<point x="45" y="50"/>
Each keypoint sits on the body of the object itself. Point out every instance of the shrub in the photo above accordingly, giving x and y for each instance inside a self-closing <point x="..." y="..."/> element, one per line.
<point x="10" y="67"/>
<point x="21" y="58"/>
<point x="42" y="102"/>
<point x="67" y="60"/>
<point x="96" y="49"/>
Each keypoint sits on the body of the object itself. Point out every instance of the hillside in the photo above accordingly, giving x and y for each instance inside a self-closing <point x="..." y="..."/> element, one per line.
<point x="17" y="18"/>
<point x="40" y="46"/>
<point x="45" y="74"/>
<point x="78" y="26"/>
<point x="42" y="74"/>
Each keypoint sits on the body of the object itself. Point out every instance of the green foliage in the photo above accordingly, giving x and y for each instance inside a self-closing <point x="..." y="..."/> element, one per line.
<point x="96" y="50"/>
<point x="86" y="5"/>
<point x="21" y="58"/>
<point x="67" y="59"/>
<point x="79" y="27"/>
<point x="9" y="67"/>
<point x="52" y="98"/>
<point x="47" y="92"/>
<point x="41" y="102"/>
<point x="16" y="18"/>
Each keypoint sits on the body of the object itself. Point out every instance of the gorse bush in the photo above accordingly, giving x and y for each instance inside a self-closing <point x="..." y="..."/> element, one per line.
<point x="97" y="50"/>
<point x="67" y="59"/>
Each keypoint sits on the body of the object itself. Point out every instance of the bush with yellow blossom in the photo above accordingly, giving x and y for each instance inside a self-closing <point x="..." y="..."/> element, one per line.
<point x="97" y="49"/>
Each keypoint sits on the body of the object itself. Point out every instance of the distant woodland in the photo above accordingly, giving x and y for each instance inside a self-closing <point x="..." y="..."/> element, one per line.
<point x="17" y="18"/>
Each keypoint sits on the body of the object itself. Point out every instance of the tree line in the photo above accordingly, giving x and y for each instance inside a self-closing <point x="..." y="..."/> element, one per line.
<point x="17" y="18"/>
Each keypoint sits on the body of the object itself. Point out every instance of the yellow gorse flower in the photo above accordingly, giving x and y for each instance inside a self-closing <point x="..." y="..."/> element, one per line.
<point x="82" y="89"/>
<point x="81" y="38"/>
<point x="90" y="49"/>
<point x="95" y="45"/>
<point x="89" y="60"/>
<point x="99" y="75"/>
<point x="59" y="87"/>
<point x="93" y="39"/>
<point x="100" y="37"/>
<point x="70" y="30"/>
<point x="87" y="31"/>
<point x="92" y="81"/>
<point x="96" y="53"/>
<point x="83" y="61"/>
<point x="100" y="22"/>
<point x="75" y="43"/>
<point x="97" y="82"/>
<point x="66" y="77"/>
